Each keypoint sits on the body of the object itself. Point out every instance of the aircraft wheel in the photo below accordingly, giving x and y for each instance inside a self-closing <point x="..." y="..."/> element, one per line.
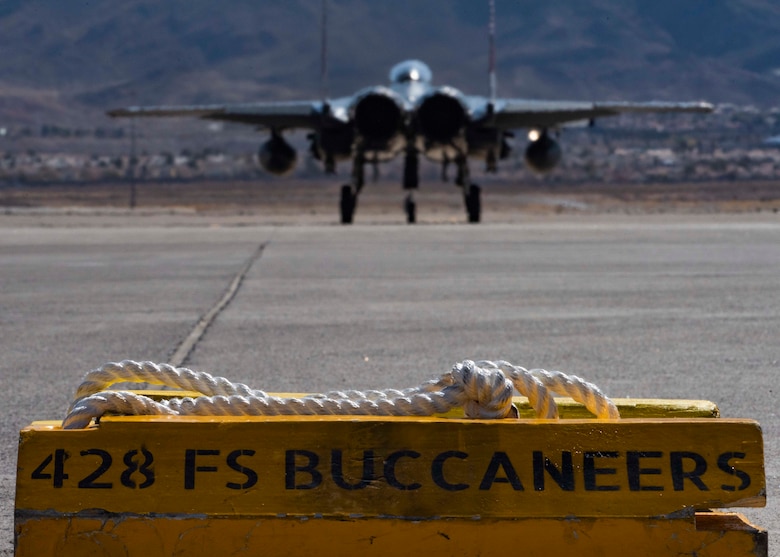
<point x="473" y="202"/>
<point x="411" y="209"/>
<point x="348" y="202"/>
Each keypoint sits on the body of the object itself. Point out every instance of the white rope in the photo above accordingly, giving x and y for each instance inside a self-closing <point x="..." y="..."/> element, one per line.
<point x="483" y="389"/>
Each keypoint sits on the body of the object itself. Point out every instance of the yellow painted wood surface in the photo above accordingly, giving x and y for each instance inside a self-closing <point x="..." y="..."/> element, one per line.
<point x="391" y="467"/>
<point x="710" y="535"/>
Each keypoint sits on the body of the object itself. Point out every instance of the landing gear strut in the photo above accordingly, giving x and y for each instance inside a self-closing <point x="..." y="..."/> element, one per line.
<point x="411" y="182"/>
<point x="349" y="192"/>
<point x="411" y="170"/>
<point x="471" y="192"/>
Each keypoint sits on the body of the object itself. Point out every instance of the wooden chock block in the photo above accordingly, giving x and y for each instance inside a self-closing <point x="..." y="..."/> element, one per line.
<point x="346" y="485"/>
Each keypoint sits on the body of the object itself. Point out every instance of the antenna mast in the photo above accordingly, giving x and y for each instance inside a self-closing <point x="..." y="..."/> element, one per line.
<point x="324" y="51"/>
<point x="492" y="50"/>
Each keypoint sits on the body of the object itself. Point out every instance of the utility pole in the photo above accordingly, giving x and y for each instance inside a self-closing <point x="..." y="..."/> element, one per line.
<point x="132" y="164"/>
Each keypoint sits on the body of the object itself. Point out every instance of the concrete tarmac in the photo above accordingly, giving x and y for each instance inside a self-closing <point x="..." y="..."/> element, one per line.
<point x="644" y="306"/>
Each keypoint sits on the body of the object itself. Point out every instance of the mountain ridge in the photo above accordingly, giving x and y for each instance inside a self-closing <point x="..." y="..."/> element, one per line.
<point x="93" y="56"/>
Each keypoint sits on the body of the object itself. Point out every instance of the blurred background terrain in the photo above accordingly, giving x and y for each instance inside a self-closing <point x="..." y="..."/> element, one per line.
<point x="65" y="63"/>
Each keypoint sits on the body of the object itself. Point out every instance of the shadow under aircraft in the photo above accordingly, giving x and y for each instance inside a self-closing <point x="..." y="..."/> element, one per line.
<point x="411" y="117"/>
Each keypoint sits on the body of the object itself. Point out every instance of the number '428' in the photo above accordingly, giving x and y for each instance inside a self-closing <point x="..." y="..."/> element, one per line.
<point x="138" y="467"/>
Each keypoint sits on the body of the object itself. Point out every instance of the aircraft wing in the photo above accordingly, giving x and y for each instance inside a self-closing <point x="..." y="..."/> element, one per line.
<point x="277" y="115"/>
<point x="522" y="113"/>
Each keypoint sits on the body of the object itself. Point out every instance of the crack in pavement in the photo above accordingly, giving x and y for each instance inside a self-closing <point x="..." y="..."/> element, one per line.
<point x="186" y="347"/>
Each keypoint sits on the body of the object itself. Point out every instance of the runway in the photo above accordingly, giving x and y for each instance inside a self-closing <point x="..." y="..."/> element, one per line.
<point x="654" y="306"/>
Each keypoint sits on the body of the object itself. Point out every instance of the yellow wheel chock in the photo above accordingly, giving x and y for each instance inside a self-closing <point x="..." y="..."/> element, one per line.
<point x="645" y="484"/>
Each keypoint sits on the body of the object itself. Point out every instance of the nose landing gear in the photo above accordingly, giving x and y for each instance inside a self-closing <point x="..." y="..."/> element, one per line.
<point x="410" y="207"/>
<point x="471" y="192"/>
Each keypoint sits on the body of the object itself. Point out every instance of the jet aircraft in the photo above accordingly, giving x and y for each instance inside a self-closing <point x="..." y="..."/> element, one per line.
<point x="412" y="117"/>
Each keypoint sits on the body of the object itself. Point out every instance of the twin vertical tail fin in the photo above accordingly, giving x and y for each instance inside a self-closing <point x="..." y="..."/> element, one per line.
<point x="324" y="52"/>
<point x="492" y="51"/>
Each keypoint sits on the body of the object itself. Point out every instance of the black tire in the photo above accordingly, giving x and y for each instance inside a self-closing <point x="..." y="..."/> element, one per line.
<point x="473" y="203"/>
<point x="348" y="202"/>
<point x="411" y="210"/>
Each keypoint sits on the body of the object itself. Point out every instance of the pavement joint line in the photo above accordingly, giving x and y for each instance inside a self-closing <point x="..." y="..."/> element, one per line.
<point x="186" y="347"/>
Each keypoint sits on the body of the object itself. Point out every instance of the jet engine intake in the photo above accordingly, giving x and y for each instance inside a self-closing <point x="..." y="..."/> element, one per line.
<point x="378" y="117"/>
<point x="442" y="116"/>
<point x="277" y="156"/>
<point x="543" y="154"/>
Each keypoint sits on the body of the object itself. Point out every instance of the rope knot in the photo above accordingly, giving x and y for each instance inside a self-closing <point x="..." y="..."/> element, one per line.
<point x="487" y="392"/>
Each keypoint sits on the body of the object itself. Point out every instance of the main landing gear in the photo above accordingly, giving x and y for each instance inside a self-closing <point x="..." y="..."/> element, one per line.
<point x="348" y="203"/>
<point x="472" y="193"/>
<point x="472" y="201"/>
<point x="349" y="192"/>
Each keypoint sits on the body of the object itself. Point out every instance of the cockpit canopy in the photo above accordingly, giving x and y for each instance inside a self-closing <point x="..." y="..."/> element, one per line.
<point x="411" y="70"/>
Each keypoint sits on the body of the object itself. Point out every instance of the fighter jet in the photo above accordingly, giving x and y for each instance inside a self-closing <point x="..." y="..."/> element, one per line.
<point x="412" y="117"/>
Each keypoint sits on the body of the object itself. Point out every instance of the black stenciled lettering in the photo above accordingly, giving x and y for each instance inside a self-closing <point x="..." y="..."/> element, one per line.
<point x="144" y="468"/>
<point x="390" y="475"/>
<point x="251" y="475"/>
<point x="60" y="456"/>
<point x="501" y="460"/>
<point x="292" y="468"/>
<point x="337" y="470"/>
<point x="437" y="470"/>
<point x="744" y="477"/>
<point x="105" y="463"/>
<point x="635" y="471"/>
<point x="590" y="472"/>
<point x="564" y="476"/>
<point x="58" y="475"/>
<point x="190" y="456"/>
<point x="679" y="474"/>
<point x="38" y="473"/>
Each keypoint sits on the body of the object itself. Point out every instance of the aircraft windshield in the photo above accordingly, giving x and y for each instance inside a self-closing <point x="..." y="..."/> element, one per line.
<point x="410" y="70"/>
